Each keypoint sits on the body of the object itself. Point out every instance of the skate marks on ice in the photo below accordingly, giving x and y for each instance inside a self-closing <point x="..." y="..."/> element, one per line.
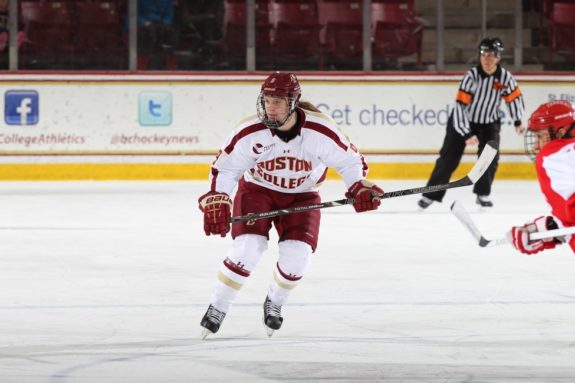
<point x="178" y="360"/>
<point x="310" y="359"/>
<point x="401" y="372"/>
<point x="390" y="297"/>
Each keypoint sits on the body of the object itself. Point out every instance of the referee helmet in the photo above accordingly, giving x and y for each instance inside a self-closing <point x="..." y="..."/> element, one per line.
<point x="491" y="44"/>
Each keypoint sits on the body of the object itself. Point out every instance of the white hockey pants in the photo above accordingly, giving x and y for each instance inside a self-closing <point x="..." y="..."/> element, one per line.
<point x="246" y="251"/>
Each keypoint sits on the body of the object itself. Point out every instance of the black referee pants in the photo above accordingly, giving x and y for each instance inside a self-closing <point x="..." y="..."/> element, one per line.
<point x="452" y="151"/>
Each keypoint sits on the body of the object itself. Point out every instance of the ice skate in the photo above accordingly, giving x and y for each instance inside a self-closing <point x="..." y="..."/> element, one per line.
<point x="272" y="316"/>
<point x="212" y="321"/>
<point x="484" y="201"/>
<point x="424" y="202"/>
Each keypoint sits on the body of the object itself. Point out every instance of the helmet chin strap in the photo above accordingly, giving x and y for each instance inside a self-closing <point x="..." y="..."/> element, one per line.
<point x="277" y="124"/>
<point x="569" y="131"/>
<point x="566" y="132"/>
<point x="552" y="134"/>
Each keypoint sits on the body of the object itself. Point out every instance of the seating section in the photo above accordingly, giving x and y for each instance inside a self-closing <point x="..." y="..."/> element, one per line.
<point x="98" y="36"/>
<point x="48" y="26"/>
<point x="546" y="9"/>
<point x="73" y="34"/>
<point x="396" y="31"/>
<point x="290" y="34"/>
<point x="235" y="21"/>
<point x="562" y="30"/>
<point x="295" y="34"/>
<point x="342" y="33"/>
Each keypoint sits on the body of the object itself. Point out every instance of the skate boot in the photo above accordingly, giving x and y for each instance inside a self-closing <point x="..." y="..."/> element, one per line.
<point x="483" y="201"/>
<point x="272" y="316"/>
<point x="212" y="321"/>
<point x="424" y="202"/>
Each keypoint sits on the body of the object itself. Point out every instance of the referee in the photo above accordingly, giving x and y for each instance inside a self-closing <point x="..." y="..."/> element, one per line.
<point x="476" y="119"/>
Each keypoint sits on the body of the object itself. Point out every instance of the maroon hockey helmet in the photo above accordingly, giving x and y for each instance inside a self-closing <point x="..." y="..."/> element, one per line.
<point x="549" y="117"/>
<point x="281" y="85"/>
<point x="278" y="84"/>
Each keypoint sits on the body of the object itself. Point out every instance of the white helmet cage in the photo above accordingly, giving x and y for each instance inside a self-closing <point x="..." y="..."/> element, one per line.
<point x="263" y="116"/>
<point x="531" y="143"/>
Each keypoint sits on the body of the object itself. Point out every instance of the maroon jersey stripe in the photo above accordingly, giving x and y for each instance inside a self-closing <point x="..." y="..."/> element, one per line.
<point x="243" y="133"/>
<point x="326" y="132"/>
<point x="323" y="176"/>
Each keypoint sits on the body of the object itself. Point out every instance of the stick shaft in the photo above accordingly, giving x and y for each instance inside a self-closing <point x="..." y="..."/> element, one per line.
<point x="465" y="181"/>
<point x="459" y="211"/>
<point x="552" y="233"/>
<point x="299" y="209"/>
<point x="536" y="235"/>
<point x="486" y="158"/>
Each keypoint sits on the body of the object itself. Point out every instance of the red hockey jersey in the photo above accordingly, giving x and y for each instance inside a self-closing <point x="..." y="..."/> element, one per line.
<point x="555" y="165"/>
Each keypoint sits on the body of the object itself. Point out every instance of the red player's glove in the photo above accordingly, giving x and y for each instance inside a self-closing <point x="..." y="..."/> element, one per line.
<point x="365" y="195"/>
<point x="519" y="236"/>
<point x="217" y="209"/>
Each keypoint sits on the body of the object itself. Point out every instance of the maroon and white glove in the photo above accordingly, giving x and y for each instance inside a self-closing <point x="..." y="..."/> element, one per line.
<point x="217" y="209"/>
<point x="365" y="195"/>
<point x="519" y="235"/>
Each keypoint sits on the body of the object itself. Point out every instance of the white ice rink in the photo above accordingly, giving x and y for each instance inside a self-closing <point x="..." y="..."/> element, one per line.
<point x="106" y="282"/>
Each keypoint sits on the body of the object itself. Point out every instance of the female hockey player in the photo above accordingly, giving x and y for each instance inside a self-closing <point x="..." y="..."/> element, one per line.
<point x="550" y="137"/>
<point x="279" y="157"/>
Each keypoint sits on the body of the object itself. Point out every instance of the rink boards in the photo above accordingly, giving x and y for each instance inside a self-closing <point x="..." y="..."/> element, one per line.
<point x="169" y="126"/>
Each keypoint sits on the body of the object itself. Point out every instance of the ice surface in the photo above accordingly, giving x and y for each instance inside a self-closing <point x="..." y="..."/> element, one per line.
<point x="107" y="282"/>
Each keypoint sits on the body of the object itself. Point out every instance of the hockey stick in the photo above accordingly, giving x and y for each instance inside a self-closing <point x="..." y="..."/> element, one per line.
<point x="483" y="162"/>
<point x="460" y="213"/>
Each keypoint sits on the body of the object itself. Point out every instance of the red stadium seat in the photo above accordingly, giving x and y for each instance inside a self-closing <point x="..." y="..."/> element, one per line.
<point x="396" y="31"/>
<point x="341" y="34"/>
<point x="295" y="34"/>
<point x="562" y="30"/>
<point x="49" y="34"/>
<point x="235" y="31"/>
<point x="98" y="35"/>
<point x="545" y="8"/>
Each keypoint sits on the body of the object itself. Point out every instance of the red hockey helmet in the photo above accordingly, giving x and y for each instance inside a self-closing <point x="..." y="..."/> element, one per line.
<point x="550" y="118"/>
<point x="279" y="84"/>
<point x="553" y="116"/>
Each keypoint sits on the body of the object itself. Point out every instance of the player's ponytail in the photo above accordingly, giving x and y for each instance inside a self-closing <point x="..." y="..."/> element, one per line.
<point x="308" y="106"/>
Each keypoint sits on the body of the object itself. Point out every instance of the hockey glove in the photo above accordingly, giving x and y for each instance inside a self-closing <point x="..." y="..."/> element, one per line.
<point x="519" y="236"/>
<point x="365" y="195"/>
<point x="217" y="209"/>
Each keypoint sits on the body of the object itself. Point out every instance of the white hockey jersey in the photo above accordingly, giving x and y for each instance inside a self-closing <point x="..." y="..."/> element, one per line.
<point x="300" y="165"/>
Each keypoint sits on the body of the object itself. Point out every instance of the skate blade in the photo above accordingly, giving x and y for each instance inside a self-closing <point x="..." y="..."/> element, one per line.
<point x="269" y="331"/>
<point x="484" y="209"/>
<point x="205" y="333"/>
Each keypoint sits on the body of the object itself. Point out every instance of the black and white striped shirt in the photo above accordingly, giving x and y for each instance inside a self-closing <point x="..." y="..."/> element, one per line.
<point x="479" y="98"/>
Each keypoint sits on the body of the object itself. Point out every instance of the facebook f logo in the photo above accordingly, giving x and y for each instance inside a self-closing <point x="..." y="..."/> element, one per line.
<point x="155" y="108"/>
<point x="21" y="107"/>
